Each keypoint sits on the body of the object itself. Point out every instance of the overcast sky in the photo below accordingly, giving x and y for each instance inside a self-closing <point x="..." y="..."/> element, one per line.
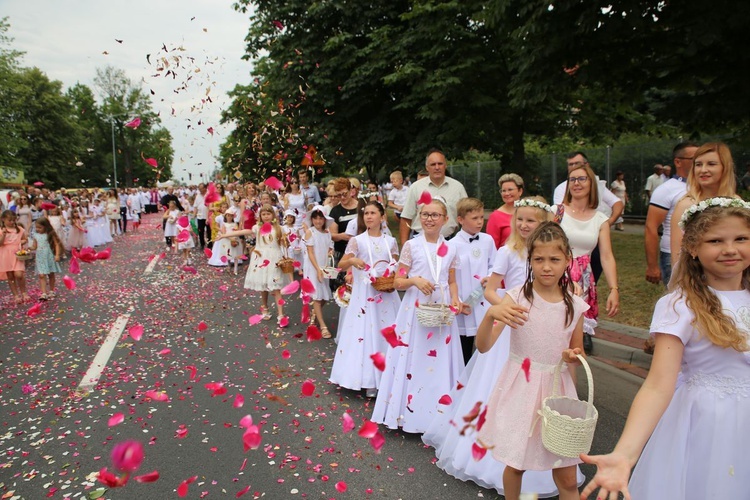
<point x="69" y="40"/>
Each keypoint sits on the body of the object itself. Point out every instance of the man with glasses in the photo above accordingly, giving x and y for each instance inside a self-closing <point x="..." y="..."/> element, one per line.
<point x="660" y="209"/>
<point x="437" y="184"/>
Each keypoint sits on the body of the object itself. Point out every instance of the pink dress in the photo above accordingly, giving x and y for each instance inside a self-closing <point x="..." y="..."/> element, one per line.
<point x="498" y="226"/>
<point x="512" y="430"/>
<point x="8" y="260"/>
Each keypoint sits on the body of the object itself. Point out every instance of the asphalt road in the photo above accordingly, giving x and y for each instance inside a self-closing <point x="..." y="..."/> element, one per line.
<point x="55" y="435"/>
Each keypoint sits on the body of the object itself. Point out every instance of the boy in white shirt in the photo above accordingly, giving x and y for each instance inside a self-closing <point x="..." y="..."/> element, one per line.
<point x="397" y="195"/>
<point x="476" y="254"/>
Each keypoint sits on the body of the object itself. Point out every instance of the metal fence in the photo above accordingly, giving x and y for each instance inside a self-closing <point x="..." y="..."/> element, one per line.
<point x="543" y="172"/>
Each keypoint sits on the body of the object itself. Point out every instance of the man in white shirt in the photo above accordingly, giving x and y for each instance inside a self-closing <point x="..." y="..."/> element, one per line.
<point x="655" y="180"/>
<point x="135" y="206"/>
<point x="312" y="195"/>
<point x="661" y="206"/>
<point x="451" y="190"/>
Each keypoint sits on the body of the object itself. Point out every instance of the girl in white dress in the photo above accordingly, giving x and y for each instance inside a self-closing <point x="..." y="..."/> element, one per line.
<point x="319" y="247"/>
<point x="370" y="255"/>
<point x="263" y="275"/>
<point x="170" y="228"/>
<point x="293" y="234"/>
<point x="185" y="242"/>
<point x="220" y="249"/>
<point x="420" y="373"/>
<point x="447" y="433"/>
<point x="234" y="245"/>
<point x="693" y="440"/>
<point x="89" y="224"/>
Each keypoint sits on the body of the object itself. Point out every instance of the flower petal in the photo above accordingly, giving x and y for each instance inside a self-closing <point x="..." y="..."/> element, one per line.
<point x="135" y="332"/>
<point x="290" y="288"/>
<point x="378" y="360"/>
<point x="425" y="198"/>
<point x="115" y="419"/>
<point x="445" y="399"/>
<point x="69" y="282"/>
<point x="442" y="250"/>
<point x="308" y="387"/>
<point x="368" y="429"/>
<point x="347" y="423"/>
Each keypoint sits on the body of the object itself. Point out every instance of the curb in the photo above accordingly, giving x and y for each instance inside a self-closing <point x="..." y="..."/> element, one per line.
<point x="620" y="347"/>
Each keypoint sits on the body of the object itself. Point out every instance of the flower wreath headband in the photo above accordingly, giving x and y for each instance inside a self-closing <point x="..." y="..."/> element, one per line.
<point x="711" y="202"/>
<point x="527" y="202"/>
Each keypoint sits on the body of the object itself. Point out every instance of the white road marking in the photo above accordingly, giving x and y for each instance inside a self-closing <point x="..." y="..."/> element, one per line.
<point x="152" y="264"/>
<point x="91" y="378"/>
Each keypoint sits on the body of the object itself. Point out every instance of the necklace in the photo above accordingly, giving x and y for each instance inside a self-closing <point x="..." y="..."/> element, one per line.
<point x="376" y="242"/>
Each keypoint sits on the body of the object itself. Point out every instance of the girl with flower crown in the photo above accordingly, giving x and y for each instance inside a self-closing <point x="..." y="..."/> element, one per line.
<point x="689" y="440"/>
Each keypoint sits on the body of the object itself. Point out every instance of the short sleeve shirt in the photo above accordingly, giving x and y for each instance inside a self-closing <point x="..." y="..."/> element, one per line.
<point x="666" y="197"/>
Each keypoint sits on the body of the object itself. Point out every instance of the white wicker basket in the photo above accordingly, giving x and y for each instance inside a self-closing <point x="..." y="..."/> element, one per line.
<point x="434" y="315"/>
<point x="568" y="424"/>
<point x="329" y="271"/>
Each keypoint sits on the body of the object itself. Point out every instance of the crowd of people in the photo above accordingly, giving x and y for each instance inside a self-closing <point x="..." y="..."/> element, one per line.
<point x="466" y="354"/>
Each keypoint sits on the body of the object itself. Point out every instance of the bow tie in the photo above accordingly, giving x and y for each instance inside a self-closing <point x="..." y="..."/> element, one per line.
<point x="473" y="238"/>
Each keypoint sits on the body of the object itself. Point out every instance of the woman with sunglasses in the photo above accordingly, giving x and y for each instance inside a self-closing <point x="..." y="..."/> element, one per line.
<point x="586" y="228"/>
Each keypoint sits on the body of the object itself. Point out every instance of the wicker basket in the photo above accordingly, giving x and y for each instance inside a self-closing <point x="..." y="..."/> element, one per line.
<point x="329" y="271"/>
<point x="342" y="295"/>
<point x="384" y="283"/>
<point x="286" y="265"/>
<point x="434" y="315"/>
<point x="568" y="424"/>
<point x="27" y="256"/>
<point x="234" y="242"/>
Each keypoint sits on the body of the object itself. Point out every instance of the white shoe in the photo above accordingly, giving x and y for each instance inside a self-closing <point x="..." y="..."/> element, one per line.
<point x="371" y="393"/>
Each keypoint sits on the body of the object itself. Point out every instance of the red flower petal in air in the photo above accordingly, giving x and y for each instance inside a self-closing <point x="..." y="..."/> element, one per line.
<point x="432" y="353"/>
<point x="202" y="326"/>
<point x="148" y="478"/>
<point x="183" y="236"/>
<point x="246" y="421"/>
<point x="526" y="367"/>
<point x="34" y="310"/>
<point x="108" y="479"/>
<point x="266" y="228"/>
<point x="377" y="441"/>
<point x="442" y="250"/>
<point x="473" y="413"/>
<point x="290" y="288"/>
<point x="347" y="423"/>
<point x="305" y="318"/>
<point x="278" y="25"/>
<point x="239" y="401"/>
<point x="378" y="360"/>
<point x="150" y="161"/>
<point x="307" y="286"/>
<point x="368" y="429"/>
<point x="127" y="456"/>
<point x="134" y="123"/>
<point x="69" y="282"/>
<point x="135" y="332"/>
<point x="274" y="183"/>
<point x="284" y="322"/>
<point x="48" y="206"/>
<point x="251" y="438"/>
<point x="389" y="333"/>
<point x="425" y="198"/>
<point x="207" y="252"/>
<point x="265" y="263"/>
<point x="478" y="452"/>
<point x="242" y="491"/>
<point x="308" y="388"/>
<point x="104" y="254"/>
<point x="115" y="419"/>
<point x="313" y="333"/>
<point x="445" y="399"/>
<point x="74" y="267"/>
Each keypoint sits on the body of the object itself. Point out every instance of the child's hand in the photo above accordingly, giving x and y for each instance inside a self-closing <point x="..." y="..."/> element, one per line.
<point x="320" y="276"/>
<point x="359" y="264"/>
<point x="484" y="281"/>
<point x="423" y="285"/>
<point x="510" y="313"/>
<point x="612" y="475"/>
<point x="465" y="309"/>
<point x="577" y="289"/>
<point x="569" y="355"/>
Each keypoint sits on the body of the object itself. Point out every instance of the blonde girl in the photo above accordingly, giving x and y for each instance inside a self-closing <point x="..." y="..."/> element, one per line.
<point x="263" y="275"/>
<point x="553" y="329"/>
<point x="430" y="360"/>
<point x="170" y="228"/>
<point x="689" y="439"/>
<point x="77" y="237"/>
<point x="712" y="175"/>
<point x="49" y="252"/>
<point x="319" y="247"/>
<point x="12" y="239"/>
<point x="453" y="441"/>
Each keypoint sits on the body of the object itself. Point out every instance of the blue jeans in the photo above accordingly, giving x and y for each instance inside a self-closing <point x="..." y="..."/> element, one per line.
<point x="665" y="264"/>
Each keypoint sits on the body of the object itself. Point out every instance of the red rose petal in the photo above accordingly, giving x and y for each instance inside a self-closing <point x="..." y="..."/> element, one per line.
<point x="308" y="388"/>
<point x="116" y="419"/>
<point x="425" y="198"/>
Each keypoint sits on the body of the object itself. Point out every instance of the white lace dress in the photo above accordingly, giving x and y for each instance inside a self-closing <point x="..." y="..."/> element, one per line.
<point x="418" y="375"/>
<point x="699" y="448"/>
<point x="370" y="311"/>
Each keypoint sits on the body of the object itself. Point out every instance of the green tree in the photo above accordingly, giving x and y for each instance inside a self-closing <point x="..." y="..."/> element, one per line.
<point x="123" y="101"/>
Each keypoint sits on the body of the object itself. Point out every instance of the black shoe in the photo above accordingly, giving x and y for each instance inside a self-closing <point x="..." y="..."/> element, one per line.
<point x="588" y="344"/>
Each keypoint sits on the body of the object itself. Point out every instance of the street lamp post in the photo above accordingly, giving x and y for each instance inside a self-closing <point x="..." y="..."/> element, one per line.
<point x="114" y="152"/>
